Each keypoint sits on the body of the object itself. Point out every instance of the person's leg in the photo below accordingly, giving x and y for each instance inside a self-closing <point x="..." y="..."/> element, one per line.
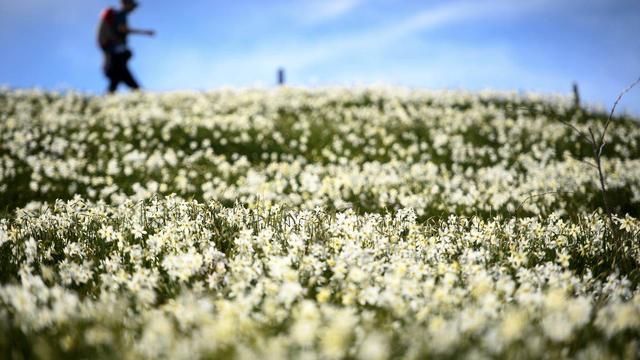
<point x="128" y="78"/>
<point x="118" y="72"/>
<point x="109" y="69"/>
<point x="113" y="85"/>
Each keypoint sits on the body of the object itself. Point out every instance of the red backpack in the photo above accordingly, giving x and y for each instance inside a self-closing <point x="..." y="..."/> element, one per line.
<point x="106" y="29"/>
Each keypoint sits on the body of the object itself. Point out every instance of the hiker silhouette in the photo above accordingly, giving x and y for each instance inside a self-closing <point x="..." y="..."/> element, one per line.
<point x="113" y="31"/>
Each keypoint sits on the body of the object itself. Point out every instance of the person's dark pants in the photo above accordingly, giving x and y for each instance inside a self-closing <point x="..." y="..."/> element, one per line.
<point x="117" y="71"/>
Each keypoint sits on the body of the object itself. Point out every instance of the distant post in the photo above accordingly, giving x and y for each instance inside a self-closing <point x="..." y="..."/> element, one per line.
<point x="281" y="79"/>
<point x="576" y="96"/>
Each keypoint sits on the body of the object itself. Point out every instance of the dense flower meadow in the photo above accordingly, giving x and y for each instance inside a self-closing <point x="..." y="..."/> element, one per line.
<point x="438" y="153"/>
<point x="315" y="224"/>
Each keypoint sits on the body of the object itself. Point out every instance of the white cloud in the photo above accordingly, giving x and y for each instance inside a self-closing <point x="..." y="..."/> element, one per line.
<point x="302" y="56"/>
<point x="451" y="13"/>
<point x="313" y="12"/>
<point x="333" y="8"/>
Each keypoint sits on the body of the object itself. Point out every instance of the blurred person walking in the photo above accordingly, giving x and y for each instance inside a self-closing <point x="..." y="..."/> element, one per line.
<point x="113" y="30"/>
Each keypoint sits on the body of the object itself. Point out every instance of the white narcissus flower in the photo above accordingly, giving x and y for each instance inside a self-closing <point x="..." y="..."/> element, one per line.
<point x="4" y="237"/>
<point x="374" y="347"/>
<point x="138" y="231"/>
<point x="183" y="266"/>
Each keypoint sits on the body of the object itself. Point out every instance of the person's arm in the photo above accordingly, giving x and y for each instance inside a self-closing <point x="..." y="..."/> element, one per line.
<point x="127" y="30"/>
<point x="142" y="32"/>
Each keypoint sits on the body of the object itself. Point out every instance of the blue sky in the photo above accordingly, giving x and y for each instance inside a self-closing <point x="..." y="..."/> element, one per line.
<point x="536" y="45"/>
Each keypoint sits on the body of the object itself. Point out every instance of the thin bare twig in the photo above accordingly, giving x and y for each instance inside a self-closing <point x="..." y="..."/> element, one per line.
<point x="578" y="131"/>
<point x="597" y="156"/>
<point x="597" y="146"/>
<point x="593" y="138"/>
<point x="584" y="161"/>
<point x="613" y="109"/>
<point x="541" y="194"/>
<point x="600" y="146"/>
<point x="573" y="127"/>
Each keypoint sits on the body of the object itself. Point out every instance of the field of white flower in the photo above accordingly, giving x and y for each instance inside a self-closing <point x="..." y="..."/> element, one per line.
<point x="315" y="224"/>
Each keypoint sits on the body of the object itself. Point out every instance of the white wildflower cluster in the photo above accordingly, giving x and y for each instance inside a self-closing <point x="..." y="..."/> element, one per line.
<point x="182" y="266"/>
<point x="206" y="281"/>
<point x="334" y="223"/>
<point x="369" y="149"/>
